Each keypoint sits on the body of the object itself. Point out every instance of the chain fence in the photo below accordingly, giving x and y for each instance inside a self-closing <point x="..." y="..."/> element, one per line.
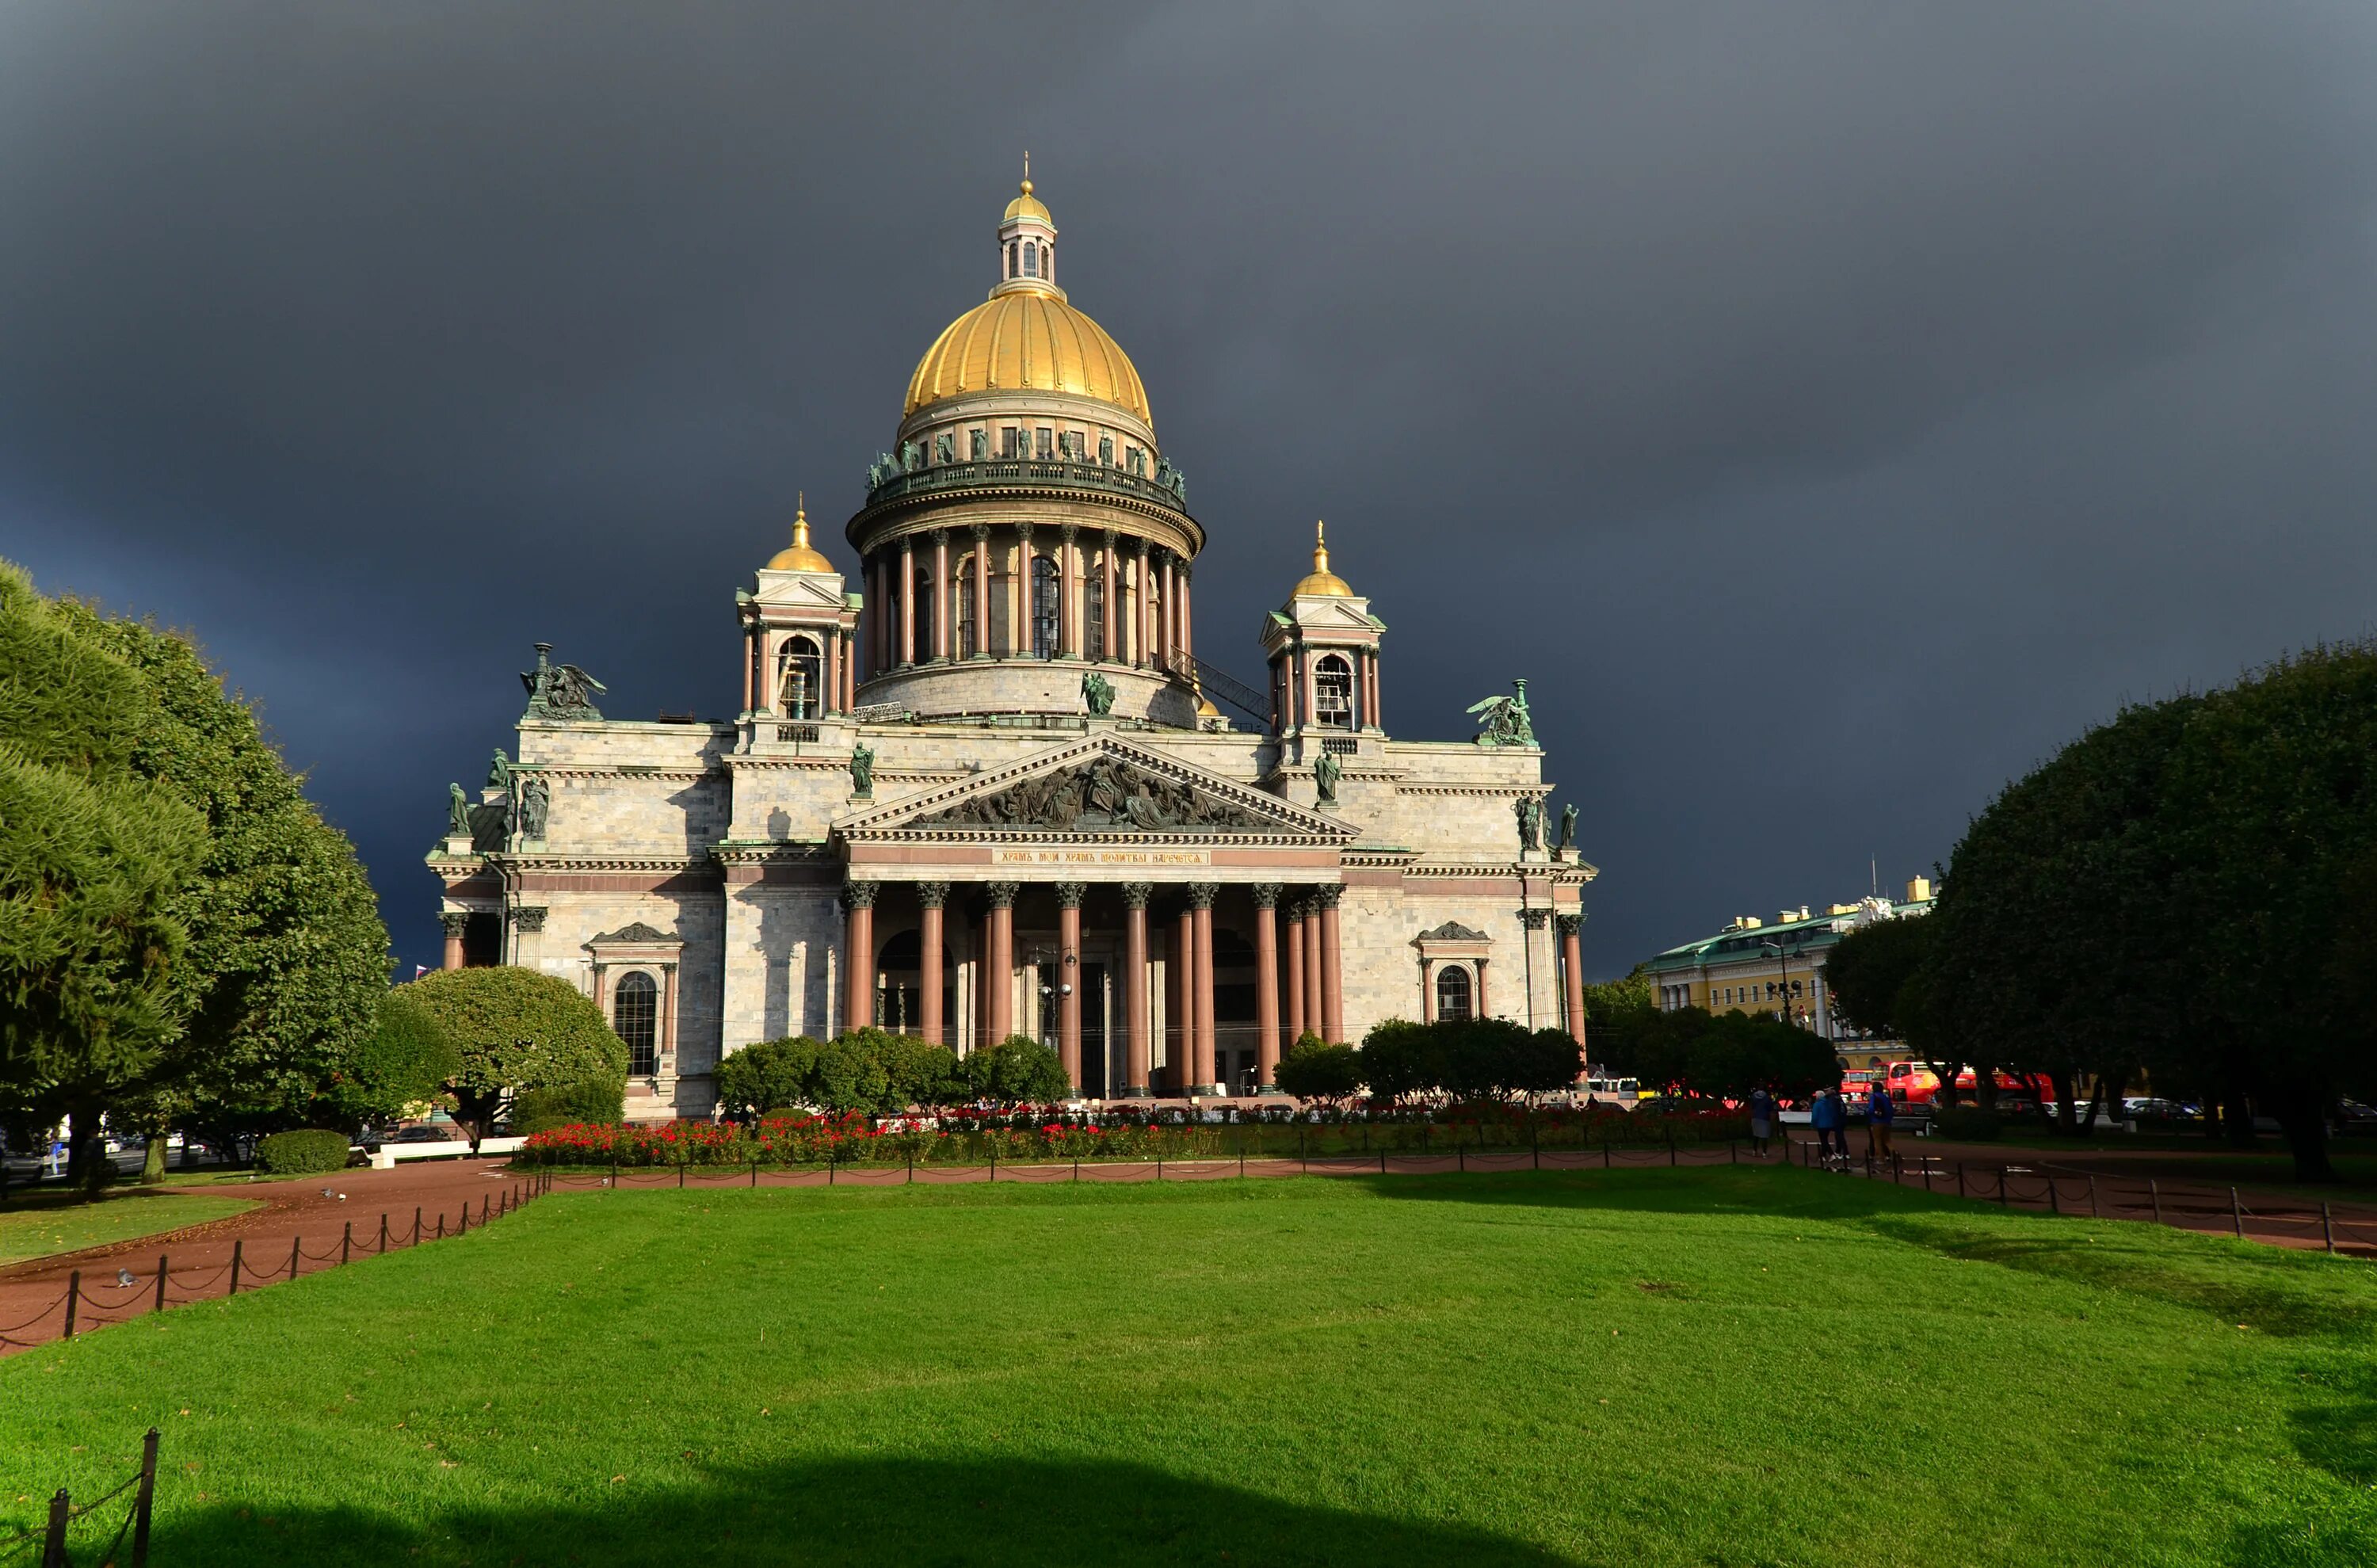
<point x="86" y="1304"/>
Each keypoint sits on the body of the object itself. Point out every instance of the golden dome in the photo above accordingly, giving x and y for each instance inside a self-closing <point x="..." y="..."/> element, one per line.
<point x="1028" y="339"/>
<point x="1026" y="205"/>
<point x="1321" y="580"/>
<point x="798" y="556"/>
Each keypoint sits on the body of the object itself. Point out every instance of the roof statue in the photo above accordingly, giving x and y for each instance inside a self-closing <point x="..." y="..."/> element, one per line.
<point x="1505" y="721"/>
<point x="559" y="691"/>
<point x="1326" y="771"/>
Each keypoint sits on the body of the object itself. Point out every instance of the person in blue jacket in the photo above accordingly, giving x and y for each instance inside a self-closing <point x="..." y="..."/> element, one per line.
<point x="1880" y="1110"/>
<point x="1825" y="1116"/>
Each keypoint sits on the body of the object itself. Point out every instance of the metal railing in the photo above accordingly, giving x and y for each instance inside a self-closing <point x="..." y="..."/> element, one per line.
<point x="930" y="479"/>
<point x="83" y="1307"/>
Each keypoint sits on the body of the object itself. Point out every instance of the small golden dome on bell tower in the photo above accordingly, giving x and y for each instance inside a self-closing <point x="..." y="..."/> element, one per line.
<point x="799" y="556"/>
<point x="1321" y="581"/>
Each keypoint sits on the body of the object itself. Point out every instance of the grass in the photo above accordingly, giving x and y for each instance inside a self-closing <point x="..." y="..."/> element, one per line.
<point x="1706" y="1366"/>
<point x="41" y="1224"/>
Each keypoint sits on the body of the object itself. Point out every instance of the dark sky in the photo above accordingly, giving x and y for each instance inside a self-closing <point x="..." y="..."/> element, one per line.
<point x="1831" y="408"/>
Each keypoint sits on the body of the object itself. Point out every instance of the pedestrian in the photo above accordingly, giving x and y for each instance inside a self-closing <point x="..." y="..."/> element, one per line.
<point x="1879" y="1112"/>
<point x="1823" y="1115"/>
<point x="1762" y="1119"/>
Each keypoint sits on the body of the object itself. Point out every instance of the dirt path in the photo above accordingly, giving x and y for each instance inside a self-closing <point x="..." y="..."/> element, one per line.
<point x="314" y="1211"/>
<point x="2128" y="1184"/>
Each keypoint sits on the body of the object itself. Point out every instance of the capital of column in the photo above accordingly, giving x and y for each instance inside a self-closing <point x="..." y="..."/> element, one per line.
<point x="1066" y="531"/>
<point x="1266" y="894"/>
<point x="1201" y="895"/>
<point x="1002" y="894"/>
<point x="858" y="895"/>
<point x="1534" y="919"/>
<point x="1070" y="894"/>
<point x="1114" y="537"/>
<point x="1325" y="895"/>
<point x="940" y="536"/>
<point x="933" y="895"/>
<point x="457" y="922"/>
<point x="1023" y="531"/>
<point x="528" y="917"/>
<point x="980" y="530"/>
<point x="1570" y="925"/>
<point x="1183" y="569"/>
<point x="1136" y="894"/>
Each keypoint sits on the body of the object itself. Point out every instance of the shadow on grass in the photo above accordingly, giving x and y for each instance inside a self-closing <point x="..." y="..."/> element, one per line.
<point x="909" y="1511"/>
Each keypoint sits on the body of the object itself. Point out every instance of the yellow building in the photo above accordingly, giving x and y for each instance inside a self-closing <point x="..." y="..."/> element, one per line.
<point x="1777" y="967"/>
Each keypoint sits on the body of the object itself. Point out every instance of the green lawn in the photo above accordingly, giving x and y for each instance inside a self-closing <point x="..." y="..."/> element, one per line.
<point x="49" y="1223"/>
<point x="1706" y="1366"/>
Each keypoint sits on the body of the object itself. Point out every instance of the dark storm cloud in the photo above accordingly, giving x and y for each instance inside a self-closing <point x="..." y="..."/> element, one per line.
<point x="1830" y="407"/>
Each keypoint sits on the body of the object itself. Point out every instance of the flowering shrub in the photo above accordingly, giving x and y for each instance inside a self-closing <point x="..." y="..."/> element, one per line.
<point x="976" y="1136"/>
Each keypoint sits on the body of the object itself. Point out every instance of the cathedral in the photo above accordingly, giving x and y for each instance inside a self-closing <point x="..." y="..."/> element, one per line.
<point x="984" y="785"/>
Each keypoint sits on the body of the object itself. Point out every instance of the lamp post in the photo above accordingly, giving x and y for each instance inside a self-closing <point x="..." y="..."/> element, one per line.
<point x="1783" y="957"/>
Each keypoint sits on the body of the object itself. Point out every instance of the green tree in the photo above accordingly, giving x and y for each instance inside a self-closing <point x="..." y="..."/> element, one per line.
<point x="2271" y="819"/>
<point x="1311" y="1071"/>
<point x="94" y="860"/>
<point x="1869" y="969"/>
<point x="767" y="1076"/>
<point x="1402" y="1060"/>
<point x="915" y="1070"/>
<point x="516" y="1030"/>
<point x="405" y="1062"/>
<point x="287" y="962"/>
<point x="1018" y="1071"/>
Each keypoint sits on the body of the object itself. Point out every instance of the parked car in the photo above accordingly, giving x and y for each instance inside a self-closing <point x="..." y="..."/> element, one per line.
<point x="2354" y="1119"/>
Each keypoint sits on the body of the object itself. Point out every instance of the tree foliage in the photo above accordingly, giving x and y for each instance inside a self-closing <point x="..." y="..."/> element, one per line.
<point x="94" y="861"/>
<point x="1311" y="1071"/>
<point x="867" y="1069"/>
<point x="1471" y="1059"/>
<point x="404" y="1063"/>
<point x="287" y="959"/>
<point x="514" y="1030"/>
<point x="1018" y="1071"/>
<point x="2184" y="889"/>
<point x="1869" y="972"/>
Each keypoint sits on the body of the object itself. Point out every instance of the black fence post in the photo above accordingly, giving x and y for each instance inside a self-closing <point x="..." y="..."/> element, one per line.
<point x="235" y="1247"/>
<point x="1536" y="1145"/>
<point x="2054" y="1205"/>
<point x="1671" y="1145"/>
<point x="2236" y="1213"/>
<point x="347" y="1244"/>
<point x="441" y="1225"/>
<point x="2327" y="1228"/>
<point x="2003" y="1202"/>
<point x="1960" y="1178"/>
<point x="680" y="1175"/>
<point x="74" y="1299"/>
<point x="416" y="1223"/>
<point x="2154" y="1195"/>
<point x="1732" y="1151"/>
<point x="144" y="1499"/>
<point x="1460" y="1157"/>
<point x="54" y="1542"/>
<point x="755" y="1168"/>
<point x="2092" y="1199"/>
<point x="295" y="1256"/>
<point x="160" y="1282"/>
<point x="484" y="1200"/>
<point x="1605" y="1152"/>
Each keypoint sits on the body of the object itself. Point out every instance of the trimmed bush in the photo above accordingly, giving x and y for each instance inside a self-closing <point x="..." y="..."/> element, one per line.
<point x="1967" y="1123"/>
<point x="309" y="1151"/>
<point x="533" y="1110"/>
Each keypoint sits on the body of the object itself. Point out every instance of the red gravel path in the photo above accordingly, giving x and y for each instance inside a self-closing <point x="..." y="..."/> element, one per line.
<point x="290" y="1212"/>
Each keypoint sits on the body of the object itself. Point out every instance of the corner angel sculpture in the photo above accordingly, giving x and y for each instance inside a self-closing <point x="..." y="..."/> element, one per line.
<point x="559" y="691"/>
<point x="1504" y="721"/>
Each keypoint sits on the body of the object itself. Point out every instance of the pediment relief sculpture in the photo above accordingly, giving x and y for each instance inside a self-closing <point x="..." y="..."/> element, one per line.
<point x="1103" y="795"/>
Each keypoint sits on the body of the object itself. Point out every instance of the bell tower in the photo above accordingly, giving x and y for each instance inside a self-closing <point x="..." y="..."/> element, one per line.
<point x="1323" y="648"/>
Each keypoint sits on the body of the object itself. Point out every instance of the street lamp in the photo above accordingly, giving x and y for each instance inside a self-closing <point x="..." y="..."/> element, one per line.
<point x="1783" y="957"/>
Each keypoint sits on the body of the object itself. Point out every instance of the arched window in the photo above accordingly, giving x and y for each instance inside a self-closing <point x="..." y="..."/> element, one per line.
<point x="1093" y="609"/>
<point x="1048" y="262"/>
<point x="636" y="1019"/>
<point x="1332" y="693"/>
<point x="800" y="680"/>
<point x="1453" y="993"/>
<point x="1044" y="607"/>
<point x="967" y="646"/>
<point x="1010" y="259"/>
<point x="923" y="613"/>
<point x="1032" y="262"/>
